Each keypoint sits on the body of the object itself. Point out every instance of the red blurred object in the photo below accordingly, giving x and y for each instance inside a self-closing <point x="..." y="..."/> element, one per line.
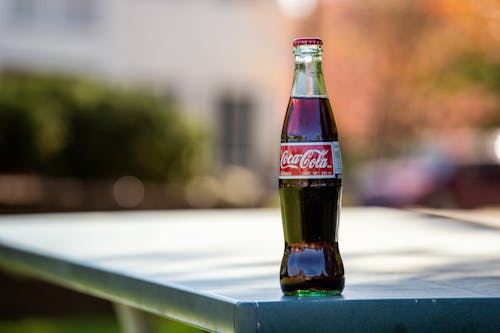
<point x="421" y="182"/>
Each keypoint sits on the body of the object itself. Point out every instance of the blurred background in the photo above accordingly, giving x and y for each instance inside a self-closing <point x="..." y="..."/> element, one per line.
<point x="163" y="104"/>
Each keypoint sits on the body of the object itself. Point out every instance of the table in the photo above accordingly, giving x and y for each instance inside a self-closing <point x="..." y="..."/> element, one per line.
<point x="218" y="269"/>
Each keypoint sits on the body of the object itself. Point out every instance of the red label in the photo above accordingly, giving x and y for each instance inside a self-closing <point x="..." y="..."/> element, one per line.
<point x="310" y="160"/>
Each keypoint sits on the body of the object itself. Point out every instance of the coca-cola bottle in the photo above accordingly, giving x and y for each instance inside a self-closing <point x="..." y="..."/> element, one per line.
<point x="310" y="182"/>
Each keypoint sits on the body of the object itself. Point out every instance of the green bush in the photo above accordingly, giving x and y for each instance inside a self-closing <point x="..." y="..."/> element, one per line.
<point x="61" y="126"/>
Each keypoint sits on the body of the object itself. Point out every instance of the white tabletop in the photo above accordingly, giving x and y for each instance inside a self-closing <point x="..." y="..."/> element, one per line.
<point x="217" y="269"/>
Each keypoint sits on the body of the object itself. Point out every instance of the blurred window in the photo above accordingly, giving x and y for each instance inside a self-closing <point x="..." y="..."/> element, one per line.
<point x="52" y="14"/>
<point x="236" y="129"/>
<point x="22" y="12"/>
<point x="81" y="13"/>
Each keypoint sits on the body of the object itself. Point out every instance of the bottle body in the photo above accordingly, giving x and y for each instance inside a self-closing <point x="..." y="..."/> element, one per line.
<point x="310" y="188"/>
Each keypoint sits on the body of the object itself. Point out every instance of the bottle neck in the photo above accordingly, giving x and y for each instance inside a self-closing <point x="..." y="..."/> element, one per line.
<point x="308" y="80"/>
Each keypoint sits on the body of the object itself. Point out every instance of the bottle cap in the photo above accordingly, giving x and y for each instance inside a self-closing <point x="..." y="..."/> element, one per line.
<point x="307" y="41"/>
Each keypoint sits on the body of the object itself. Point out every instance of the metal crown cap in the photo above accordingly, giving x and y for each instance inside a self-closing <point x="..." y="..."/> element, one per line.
<point x="307" y="41"/>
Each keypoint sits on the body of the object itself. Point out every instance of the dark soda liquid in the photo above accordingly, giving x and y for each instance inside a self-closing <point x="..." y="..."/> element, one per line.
<point x="311" y="263"/>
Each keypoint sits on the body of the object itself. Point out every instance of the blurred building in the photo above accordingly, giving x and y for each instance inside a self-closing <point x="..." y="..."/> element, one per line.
<point x="396" y="71"/>
<point x="227" y="62"/>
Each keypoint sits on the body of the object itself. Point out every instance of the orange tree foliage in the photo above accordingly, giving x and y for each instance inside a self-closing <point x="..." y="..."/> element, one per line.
<point x="398" y="70"/>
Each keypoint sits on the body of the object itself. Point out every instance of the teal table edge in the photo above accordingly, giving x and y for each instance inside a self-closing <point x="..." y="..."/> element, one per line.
<point x="176" y="302"/>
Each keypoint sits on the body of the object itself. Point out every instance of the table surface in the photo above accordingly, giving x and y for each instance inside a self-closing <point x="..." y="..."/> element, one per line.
<point x="218" y="269"/>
